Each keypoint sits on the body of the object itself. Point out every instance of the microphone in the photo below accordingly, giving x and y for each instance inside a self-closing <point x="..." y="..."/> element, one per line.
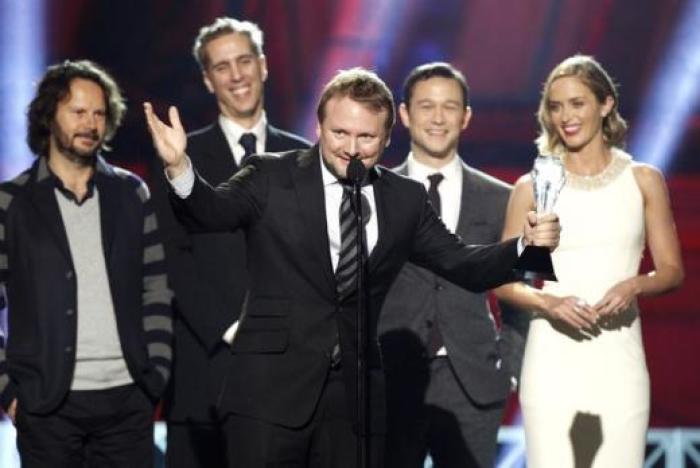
<point x="356" y="171"/>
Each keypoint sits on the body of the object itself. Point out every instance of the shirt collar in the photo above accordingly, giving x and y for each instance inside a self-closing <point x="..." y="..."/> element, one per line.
<point x="58" y="185"/>
<point x="420" y="171"/>
<point x="326" y="175"/>
<point x="234" y="130"/>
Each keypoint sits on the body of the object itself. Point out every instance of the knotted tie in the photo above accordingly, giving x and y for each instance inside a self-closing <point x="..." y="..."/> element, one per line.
<point x="433" y="194"/>
<point x="247" y="141"/>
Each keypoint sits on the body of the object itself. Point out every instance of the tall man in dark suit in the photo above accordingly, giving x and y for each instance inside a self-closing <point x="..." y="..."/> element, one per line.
<point x="208" y="271"/>
<point x="290" y="391"/>
<point x="89" y="346"/>
<point x="446" y="396"/>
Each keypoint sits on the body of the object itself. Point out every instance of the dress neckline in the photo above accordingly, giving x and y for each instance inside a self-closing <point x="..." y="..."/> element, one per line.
<point x="619" y="161"/>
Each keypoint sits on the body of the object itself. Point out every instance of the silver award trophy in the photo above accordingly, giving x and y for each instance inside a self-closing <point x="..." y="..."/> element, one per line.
<point x="548" y="177"/>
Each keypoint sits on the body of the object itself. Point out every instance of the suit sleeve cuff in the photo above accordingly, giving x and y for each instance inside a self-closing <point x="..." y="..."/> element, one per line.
<point x="182" y="184"/>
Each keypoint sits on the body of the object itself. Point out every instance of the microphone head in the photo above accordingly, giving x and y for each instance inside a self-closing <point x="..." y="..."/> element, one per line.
<point x="356" y="171"/>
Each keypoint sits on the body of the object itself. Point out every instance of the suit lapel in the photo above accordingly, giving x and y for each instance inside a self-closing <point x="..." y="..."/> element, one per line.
<point x="107" y="187"/>
<point x="309" y="188"/>
<point x="217" y="163"/>
<point x="273" y="142"/>
<point x="382" y="204"/>
<point x="44" y="200"/>
<point x="469" y="212"/>
<point x="402" y="169"/>
<point x="382" y="198"/>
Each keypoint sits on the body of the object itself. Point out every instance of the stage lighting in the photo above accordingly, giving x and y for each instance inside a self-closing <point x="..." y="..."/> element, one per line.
<point x="22" y="61"/>
<point x="672" y="96"/>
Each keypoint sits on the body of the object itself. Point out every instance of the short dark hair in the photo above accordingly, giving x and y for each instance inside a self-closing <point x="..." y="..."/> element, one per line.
<point x="55" y="86"/>
<point x="432" y="70"/>
<point x="363" y="86"/>
<point x="220" y="27"/>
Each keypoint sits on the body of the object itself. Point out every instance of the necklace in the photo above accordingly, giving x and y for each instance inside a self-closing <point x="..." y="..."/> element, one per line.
<point x="619" y="161"/>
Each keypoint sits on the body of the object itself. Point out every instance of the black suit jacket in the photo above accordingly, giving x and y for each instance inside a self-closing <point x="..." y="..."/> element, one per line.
<point x="483" y="360"/>
<point x="281" y="354"/>
<point x="37" y="271"/>
<point x="209" y="277"/>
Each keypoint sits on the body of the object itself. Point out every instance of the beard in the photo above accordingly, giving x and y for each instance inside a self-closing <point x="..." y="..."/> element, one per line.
<point x="65" y="145"/>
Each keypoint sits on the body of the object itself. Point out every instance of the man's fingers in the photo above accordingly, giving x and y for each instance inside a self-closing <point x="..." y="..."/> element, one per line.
<point x="546" y="237"/>
<point x="546" y="230"/>
<point x="532" y="218"/>
<point x="151" y="118"/>
<point x="174" y="117"/>
<point x="548" y="218"/>
<point x="148" y="113"/>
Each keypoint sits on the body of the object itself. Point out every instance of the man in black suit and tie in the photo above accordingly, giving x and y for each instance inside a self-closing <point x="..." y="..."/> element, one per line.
<point x="209" y="274"/>
<point x="446" y="397"/>
<point x="290" y="390"/>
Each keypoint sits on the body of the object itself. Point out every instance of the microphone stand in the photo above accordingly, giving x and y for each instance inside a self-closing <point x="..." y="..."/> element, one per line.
<point x="356" y="172"/>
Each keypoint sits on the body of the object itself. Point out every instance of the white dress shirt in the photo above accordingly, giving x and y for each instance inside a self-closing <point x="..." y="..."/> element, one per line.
<point x="333" y="192"/>
<point x="233" y="131"/>
<point x="450" y="188"/>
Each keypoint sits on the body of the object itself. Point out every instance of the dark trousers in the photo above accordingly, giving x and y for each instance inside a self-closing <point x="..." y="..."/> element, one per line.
<point x="327" y="441"/>
<point x="193" y="445"/>
<point x="96" y="428"/>
<point x="440" y="420"/>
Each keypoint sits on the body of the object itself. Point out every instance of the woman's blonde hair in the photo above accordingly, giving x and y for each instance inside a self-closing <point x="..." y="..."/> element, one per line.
<point x="591" y="74"/>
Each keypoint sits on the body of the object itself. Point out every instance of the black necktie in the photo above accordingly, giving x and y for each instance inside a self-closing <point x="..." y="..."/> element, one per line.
<point x="434" y="336"/>
<point x="247" y="141"/>
<point x="346" y="272"/>
<point x="433" y="194"/>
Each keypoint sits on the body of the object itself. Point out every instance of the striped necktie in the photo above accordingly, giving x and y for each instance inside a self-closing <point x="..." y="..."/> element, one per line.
<point x="346" y="272"/>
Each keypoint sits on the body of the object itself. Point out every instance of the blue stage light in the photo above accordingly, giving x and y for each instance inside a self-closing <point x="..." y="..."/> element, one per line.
<point x="22" y="62"/>
<point x="672" y="96"/>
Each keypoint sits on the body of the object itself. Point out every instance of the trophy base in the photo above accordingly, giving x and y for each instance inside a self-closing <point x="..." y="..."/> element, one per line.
<point x="535" y="263"/>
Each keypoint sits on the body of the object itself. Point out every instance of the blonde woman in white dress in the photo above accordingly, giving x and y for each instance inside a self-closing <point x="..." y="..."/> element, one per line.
<point x="584" y="390"/>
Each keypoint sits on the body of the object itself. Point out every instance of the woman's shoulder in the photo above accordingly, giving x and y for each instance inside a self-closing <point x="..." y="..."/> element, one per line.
<point x="649" y="178"/>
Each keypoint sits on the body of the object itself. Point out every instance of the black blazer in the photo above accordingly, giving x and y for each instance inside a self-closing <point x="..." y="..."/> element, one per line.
<point x="209" y="277"/>
<point x="38" y="274"/>
<point x="483" y="359"/>
<point x="281" y="354"/>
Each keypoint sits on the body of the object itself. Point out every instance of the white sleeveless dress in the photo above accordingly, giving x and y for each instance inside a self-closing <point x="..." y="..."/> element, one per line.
<point x="588" y="397"/>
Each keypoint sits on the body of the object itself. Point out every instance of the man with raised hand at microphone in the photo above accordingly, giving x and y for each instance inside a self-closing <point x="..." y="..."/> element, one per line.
<point x="290" y="391"/>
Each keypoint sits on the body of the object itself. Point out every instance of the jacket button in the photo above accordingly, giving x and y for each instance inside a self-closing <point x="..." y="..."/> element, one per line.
<point x="69" y="274"/>
<point x="68" y="349"/>
<point x="439" y="287"/>
<point x="69" y="312"/>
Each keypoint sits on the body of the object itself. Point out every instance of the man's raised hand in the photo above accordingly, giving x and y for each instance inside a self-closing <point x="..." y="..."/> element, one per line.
<point x="169" y="141"/>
